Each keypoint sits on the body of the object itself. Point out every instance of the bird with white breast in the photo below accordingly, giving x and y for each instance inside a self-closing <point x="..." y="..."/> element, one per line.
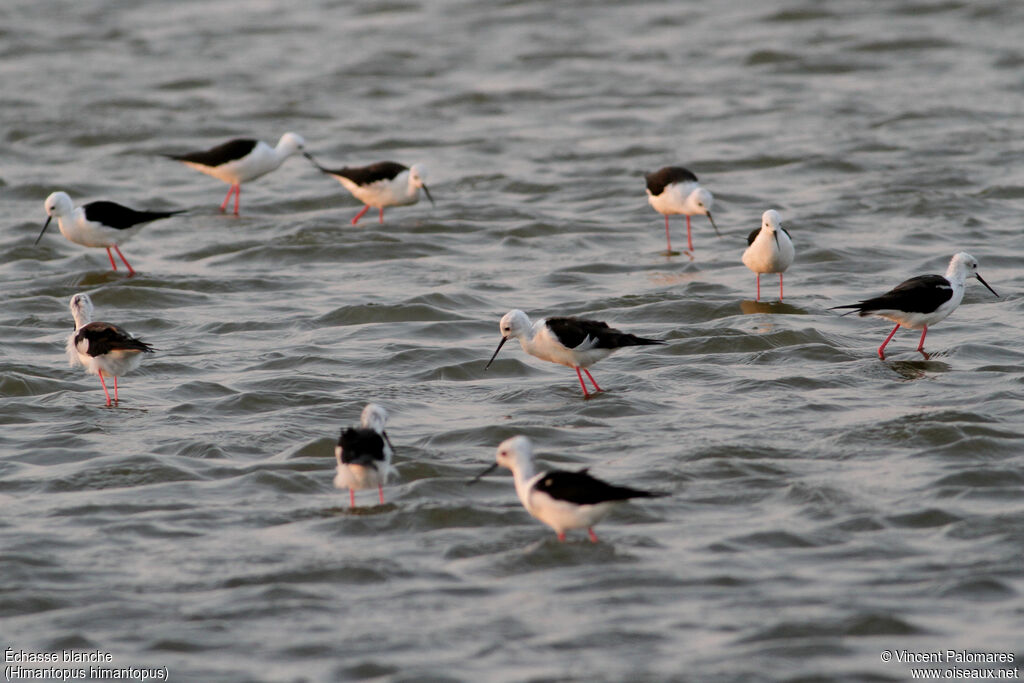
<point x="99" y="224"/>
<point x="563" y="500"/>
<point x="674" y="190"/>
<point x="770" y="249"/>
<point x="364" y="454"/>
<point x="922" y="301"/>
<point x="102" y="348"/>
<point x="241" y="160"/>
<point x="385" y="183"/>
<point x="575" y="342"/>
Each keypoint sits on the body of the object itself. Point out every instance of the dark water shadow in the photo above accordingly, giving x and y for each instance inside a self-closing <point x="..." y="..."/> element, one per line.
<point x="96" y="278"/>
<point x="120" y="407"/>
<point x="917" y="369"/>
<point x="361" y="510"/>
<point x="749" y="307"/>
<point x="669" y="254"/>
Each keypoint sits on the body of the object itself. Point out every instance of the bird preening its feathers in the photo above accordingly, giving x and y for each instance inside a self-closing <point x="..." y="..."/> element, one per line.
<point x="364" y="453"/>
<point x="102" y="348"/>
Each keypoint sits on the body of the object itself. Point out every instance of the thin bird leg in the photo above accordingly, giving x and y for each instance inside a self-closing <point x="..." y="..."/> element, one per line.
<point x="920" y="347"/>
<point x="227" y="198"/>
<point x="668" y="238"/>
<point x="689" y="239"/>
<point x="238" y="195"/>
<point x="758" y="287"/>
<point x="111" y="256"/>
<point x="380" y="493"/>
<point x="780" y="286"/>
<point x="351" y="498"/>
<point x="586" y="394"/>
<point x="355" y="219"/>
<point x="381" y="219"/>
<point x="115" y="390"/>
<point x="561" y="536"/>
<point x="882" y="347"/>
<point x="593" y="536"/>
<point x="105" y="392"/>
<point x="592" y="380"/>
<point x="131" y="271"/>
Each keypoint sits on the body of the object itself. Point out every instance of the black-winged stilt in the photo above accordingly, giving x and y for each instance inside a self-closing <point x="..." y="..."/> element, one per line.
<point x="675" y="190"/>
<point x="364" y="455"/>
<point x="770" y="249"/>
<point x="385" y="183"/>
<point x="241" y="160"/>
<point x="98" y="224"/>
<point x="574" y="342"/>
<point x="922" y="301"/>
<point x="103" y="348"/>
<point x="562" y="500"/>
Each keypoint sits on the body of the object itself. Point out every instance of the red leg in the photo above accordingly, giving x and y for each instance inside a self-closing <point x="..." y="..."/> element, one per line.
<point x="380" y="493"/>
<point x="585" y="393"/>
<point x="780" y="286"/>
<point x="668" y="238"/>
<point x="355" y="219"/>
<point x="689" y="239"/>
<point x="115" y="390"/>
<point x="227" y="198"/>
<point x="111" y="256"/>
<point x="131" y="271"/>
<point x="593" y="536"/>
<point x="592" y="380"/>
<point x="238" y="195"/>
<point x="105" y="392"/>
<point x="920" y="347"/>
<point x="882" y="347"/>
<point x="351" y="498"/>
<point x="758" y="287"/>
<point x="561" y="536"/>
<point x="381" y="219"/>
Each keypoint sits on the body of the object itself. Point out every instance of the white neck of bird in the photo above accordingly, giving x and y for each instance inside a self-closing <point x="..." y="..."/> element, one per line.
<point x="81" y="319"/>
<point x="525" y="470"/>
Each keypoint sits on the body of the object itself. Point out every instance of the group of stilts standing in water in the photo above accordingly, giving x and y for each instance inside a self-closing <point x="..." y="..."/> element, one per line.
<point x="561" y="499"/>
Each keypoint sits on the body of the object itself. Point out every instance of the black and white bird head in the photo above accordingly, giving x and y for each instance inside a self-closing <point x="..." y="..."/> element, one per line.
<point x="963" y="266"/>
<point x="701" y="201"/>
<point x="57" y="205"/>
<point x="374" y="417"/>
<point x="81" y="309"/>
<point x="418" y="178"/>
<point x="290" y="143"/>
<point x="514" y="324"/>
<point x="772" y="222"/>
<point x="515" y="454"/>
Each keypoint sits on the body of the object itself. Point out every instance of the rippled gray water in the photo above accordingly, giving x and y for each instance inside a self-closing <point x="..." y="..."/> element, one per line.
<point x="825" y="506"/>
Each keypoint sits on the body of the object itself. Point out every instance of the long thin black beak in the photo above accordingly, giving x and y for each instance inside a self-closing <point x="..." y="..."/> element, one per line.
<point x="775" y="234"/>
<point x="500" y="344"/>
<point x="47" y="224"/>
<point x="985" y="283"/>
<point x="713" y="224"/>
<point x="385" y="435"/>
<point x="313" y="161"/>
<point x="482" y="474"/>
<point x="425" y="190"/>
